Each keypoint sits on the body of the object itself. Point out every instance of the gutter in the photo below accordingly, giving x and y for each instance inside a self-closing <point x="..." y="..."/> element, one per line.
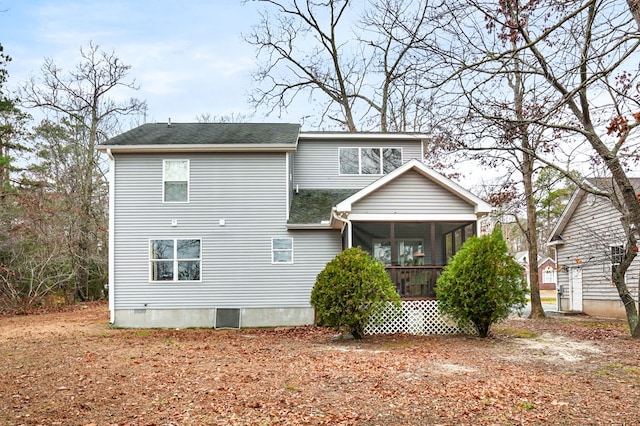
<point x="190" y="148"/>
<point x="308" y="226"/>
<point x="341" y="136"/>
<point x="112" y="220"/>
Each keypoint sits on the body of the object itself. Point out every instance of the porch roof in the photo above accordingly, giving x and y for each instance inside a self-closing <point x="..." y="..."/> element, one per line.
<point x="313" y="206"/>
<point x="481" y="207"/>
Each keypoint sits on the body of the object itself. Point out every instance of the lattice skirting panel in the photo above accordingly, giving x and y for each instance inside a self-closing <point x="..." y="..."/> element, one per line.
<point x="415" y="317"/>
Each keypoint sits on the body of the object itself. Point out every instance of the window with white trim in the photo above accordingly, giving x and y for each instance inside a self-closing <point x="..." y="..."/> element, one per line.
<point x="369" y="161"/>
<point x="549" y="275"/>
<point x="617" y="253"/>
<point x="175" y="181"/>
<point x="282" y="250"/>
<point x="175" y="260"/>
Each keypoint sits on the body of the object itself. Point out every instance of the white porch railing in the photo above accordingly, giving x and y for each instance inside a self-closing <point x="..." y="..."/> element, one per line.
<point x="415" y="317"/>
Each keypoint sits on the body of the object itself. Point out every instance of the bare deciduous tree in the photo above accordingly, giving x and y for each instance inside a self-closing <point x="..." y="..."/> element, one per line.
<point x="85" y="101"/>
<point x="580" y="61"/>
<point x="362" y="68"/>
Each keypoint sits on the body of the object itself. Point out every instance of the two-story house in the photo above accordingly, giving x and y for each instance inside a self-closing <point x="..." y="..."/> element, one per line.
<point x="228" y="225"/>
<point x="589" y="241"/>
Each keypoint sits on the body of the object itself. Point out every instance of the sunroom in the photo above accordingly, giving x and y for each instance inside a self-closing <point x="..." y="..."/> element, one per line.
<point x="414" y="253"/>
<point x="413" y="220"/>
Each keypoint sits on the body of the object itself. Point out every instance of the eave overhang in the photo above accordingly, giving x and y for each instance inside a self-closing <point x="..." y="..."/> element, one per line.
<point x="555" y="238"/>
<point x="182" y="148"/>
<point x="403" y="217"/>
<point x="346" y="136"/>
<point x="309" y="226"/>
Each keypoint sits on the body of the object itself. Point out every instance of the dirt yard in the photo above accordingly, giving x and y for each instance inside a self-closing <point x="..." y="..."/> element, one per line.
<point x="72" y="368"/>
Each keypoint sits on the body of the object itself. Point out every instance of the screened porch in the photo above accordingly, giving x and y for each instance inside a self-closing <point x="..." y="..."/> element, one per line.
<point x="414" y="253"/>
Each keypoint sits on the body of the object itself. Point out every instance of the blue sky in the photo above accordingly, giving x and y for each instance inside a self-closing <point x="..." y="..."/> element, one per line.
<point x="187" y="57"/>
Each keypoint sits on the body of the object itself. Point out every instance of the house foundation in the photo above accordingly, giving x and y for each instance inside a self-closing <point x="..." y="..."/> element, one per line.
<point x="213" y="317"/>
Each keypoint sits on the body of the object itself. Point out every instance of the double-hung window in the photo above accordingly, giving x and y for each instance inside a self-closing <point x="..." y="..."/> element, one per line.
<point x="282" y="250"/>
<point x="175" y="180"/>
<point x="369" y="161"/>
<point x="175" y="260"/>
<point x="617" y="252"/>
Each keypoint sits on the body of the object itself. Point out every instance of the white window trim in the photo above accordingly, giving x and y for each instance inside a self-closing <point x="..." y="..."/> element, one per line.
<point x="273" y="251"/>
<point x="611" y="246"/>
<point x="549" y="275"/>
<point x="175" y="261"/>
<point x="360" y="148"/>
<point x="164" y="168"/>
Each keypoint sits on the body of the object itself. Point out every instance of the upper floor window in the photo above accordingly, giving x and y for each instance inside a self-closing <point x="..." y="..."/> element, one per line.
<point x="175" y="260"/>
<point x="369" y="161"/>
<point x="282" y="250"/>
<point x="175" y="178"/>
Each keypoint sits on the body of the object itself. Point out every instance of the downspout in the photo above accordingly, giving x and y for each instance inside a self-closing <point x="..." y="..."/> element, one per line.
<point x="289" y="183"/>
<point x="112" y="220"/>
<point x="558" y="288"/>
<point x="346" y="223"/>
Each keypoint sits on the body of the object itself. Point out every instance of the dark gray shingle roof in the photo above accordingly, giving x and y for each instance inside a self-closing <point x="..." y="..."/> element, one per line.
<point x="209" y="134"/>
<point x="607" y="183"/>
<point x="314" y="205"/>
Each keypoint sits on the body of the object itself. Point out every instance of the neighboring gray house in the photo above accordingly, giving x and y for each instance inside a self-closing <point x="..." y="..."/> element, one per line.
<point x="228" y="225"/>
<point x="589" y="240"/>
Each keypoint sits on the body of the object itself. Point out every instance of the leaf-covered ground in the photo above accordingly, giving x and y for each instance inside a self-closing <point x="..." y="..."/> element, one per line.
<point x="72" y="368"/>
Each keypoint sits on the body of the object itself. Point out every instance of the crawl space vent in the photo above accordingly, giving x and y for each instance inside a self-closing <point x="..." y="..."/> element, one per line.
<point x="227" y="318"/>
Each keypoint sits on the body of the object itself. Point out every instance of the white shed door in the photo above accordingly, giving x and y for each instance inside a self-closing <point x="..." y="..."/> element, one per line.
<point x="575" y="289"/>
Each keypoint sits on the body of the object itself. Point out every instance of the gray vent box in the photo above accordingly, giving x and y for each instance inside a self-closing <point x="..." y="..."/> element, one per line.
<point x="227" y="318"/>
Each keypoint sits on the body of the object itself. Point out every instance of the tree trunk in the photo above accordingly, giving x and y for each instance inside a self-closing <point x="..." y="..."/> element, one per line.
<point x="483" y="328"/>
<point x="531" y="232"/>
<point x="532" y="241"/>
<point x="634" y="8"/>
<point x="527" y="164"/>
<point x="625" y="296"/>
<point x="631" y="217"/>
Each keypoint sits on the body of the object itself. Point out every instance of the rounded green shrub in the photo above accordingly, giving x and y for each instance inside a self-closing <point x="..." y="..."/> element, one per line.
<point x="351" y="289"/>
<point x="482" y="283"/>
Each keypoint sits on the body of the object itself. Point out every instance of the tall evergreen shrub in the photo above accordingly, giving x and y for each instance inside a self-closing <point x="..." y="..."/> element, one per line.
<point x="350" y="290"/>
<point x="482" y="284"/>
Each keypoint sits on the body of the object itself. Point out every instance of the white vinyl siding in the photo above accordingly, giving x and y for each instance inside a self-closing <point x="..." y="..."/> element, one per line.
<point x="247" y="191"/>
<point x="317" y="163"/>
<point x="587" y="239"/>
<point x="412" y="193"/>
<point x="282" y="250"/>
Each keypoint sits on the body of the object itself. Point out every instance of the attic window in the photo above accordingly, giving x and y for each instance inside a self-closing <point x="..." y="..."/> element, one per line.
<point x="369" y="161"/>
<point x="175" y="179"/>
